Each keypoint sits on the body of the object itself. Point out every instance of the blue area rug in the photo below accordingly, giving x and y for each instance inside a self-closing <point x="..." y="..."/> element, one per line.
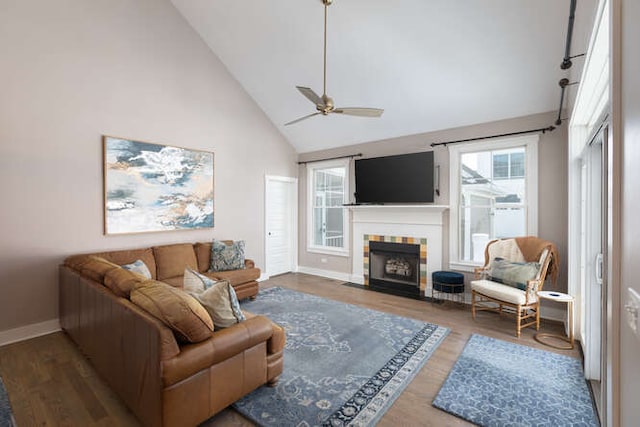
<point x="6" y="416"/>
<point x="496" y="383"/>
<point x="343" y="364"/>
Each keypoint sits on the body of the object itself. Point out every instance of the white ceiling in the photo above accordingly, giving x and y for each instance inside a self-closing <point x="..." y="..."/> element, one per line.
<point x="430" y="64"/>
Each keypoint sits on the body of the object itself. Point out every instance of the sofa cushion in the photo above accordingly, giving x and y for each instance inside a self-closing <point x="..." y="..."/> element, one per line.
<point x="227" y="256"/>
<point x="203" y="254"/>
<point x="196" y="282"/>
<point x="218" y="298"/>
<point x="171" y="260"/>
<point x="91" y="266"/>
<point x="515" y="274"/>
<point x="189" y="321"/>
<point x="138" y="267"/>
<point x="121" y="281"/>
<point x="129" y="256"/>
<point x="175" y="281"/>
<point x="235" y="277"/>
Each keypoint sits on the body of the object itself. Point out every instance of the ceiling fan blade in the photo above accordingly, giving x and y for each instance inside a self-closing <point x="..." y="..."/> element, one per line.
<point x="301" y="119"/>
<point x="362" y="112"/>
<point x="310" y="95"/>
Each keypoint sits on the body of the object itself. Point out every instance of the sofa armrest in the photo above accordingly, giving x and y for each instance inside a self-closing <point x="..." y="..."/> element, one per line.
<point x="277" y="341"/>
<point x="221" y="346"/>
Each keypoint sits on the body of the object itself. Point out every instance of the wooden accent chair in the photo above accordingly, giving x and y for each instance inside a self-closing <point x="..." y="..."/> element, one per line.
<point x="515" y="270"/>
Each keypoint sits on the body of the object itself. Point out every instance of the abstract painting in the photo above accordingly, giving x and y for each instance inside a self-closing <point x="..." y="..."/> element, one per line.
<point x="154" y="187"/>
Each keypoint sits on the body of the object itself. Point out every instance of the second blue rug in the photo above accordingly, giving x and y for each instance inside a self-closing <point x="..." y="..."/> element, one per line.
<point x="343" y="364"/>
<point x="497" y="383"/>
<point x="6" y="417"/>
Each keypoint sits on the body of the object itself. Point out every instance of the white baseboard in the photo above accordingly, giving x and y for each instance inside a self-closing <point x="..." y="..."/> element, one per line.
<point x="30" y="331"/>
<point x="263" y="277"/>
<point x="335" y="275"/>
<point x="354" y="278"/>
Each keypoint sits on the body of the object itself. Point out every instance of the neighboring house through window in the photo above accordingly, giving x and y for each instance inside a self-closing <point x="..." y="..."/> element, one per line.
<point x="494" y="194"/>
<point x="328" y="190"/>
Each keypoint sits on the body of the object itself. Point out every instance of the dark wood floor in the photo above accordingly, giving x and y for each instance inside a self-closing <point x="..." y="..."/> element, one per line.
<point x="50" y="383"/>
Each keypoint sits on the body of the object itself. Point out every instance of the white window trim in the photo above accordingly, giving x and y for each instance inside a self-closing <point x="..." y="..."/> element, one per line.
<point x="530" y="142"/>
<point x="311" y="167"/>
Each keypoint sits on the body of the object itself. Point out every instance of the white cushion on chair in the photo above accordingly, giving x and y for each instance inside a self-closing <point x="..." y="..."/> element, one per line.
<point x="499" y="291"/>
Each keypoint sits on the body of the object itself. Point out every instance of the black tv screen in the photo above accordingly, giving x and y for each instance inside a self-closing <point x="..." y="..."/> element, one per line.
<point x="407" y="178"/>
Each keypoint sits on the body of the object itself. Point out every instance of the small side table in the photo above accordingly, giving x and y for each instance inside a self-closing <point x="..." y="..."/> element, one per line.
<point x="558" y="297"/>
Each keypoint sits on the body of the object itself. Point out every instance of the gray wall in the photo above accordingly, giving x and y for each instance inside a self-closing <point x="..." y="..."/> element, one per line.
<point x="74" y="70"/>
<point x="552" y="181"/>
<point x="626" y="98"/>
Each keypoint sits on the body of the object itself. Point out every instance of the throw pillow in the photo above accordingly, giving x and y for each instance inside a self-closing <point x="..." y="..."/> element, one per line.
<point x="227" y="257"/>
<point x="196" y="282"/>
<point x="221" y="303"/>
<point x="138" y="267"/>
<point x="515" y="274"/>
<point x="178" y="310"/>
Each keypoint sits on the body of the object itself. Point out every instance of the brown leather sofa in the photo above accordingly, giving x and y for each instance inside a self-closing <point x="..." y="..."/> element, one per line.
<point x="164" y="381"/>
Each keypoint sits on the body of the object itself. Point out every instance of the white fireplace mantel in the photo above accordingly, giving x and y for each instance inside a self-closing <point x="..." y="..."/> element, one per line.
<point x="418" y="221"/>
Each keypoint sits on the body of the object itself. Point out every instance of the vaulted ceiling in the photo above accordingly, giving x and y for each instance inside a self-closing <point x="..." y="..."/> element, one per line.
<point x="430" y="64"/>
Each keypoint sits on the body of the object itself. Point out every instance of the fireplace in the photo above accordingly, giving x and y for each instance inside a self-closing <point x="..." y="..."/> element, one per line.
<point x="417" y="225"/>
<point x="395" y="267"/>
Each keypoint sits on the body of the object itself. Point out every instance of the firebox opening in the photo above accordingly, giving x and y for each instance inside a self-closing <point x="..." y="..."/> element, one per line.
<point x="394" y="267"/>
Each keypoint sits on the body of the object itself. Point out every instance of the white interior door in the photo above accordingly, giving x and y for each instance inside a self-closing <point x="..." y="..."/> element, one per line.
<point x="593" y="227"/>
<point x="280" y="224"/>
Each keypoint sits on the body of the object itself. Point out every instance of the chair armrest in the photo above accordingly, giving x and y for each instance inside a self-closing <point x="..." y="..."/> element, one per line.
<point x="248" y="263"/>
<point x="533" y="286"/>
<point x="480" y="272"/>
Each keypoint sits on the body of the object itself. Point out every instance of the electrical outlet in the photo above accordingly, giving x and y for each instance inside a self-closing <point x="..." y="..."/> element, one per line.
<point x="632" y="308"/>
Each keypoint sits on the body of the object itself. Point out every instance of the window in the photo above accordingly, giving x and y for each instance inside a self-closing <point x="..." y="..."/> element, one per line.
<point x="508" y="165"/>
<point x="493" y="195"/>
<point x="327" y="220"/>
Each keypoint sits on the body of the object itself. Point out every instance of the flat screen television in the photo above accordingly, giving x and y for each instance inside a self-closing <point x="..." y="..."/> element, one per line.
<point x="406" y="178"/>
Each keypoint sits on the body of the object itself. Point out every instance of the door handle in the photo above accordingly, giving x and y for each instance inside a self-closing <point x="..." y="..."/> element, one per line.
<point x="599" y="269"/>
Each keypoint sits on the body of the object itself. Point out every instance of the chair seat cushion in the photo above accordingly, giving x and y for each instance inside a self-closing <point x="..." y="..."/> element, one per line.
<point x="499" y="291"/>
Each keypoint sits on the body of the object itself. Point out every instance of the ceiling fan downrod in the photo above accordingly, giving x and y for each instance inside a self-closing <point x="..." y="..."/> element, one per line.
<point x="324" y="104"/>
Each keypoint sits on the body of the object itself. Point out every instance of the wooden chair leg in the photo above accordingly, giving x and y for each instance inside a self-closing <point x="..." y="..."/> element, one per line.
<point x="473" y="305"/>
<point x="538" y="316"/>
<point x="518" y="320"/>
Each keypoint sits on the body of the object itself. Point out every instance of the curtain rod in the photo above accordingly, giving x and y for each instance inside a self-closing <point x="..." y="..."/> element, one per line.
<point x="331" y="158"/>
<point x="522" y="132"/>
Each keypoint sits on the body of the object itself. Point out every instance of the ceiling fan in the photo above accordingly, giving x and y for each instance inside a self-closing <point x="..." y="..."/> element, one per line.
<point x="324" y="104"/>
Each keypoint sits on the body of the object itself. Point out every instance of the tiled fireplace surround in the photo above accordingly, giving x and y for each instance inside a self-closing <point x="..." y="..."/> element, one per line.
<point x="419" y="224"/>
